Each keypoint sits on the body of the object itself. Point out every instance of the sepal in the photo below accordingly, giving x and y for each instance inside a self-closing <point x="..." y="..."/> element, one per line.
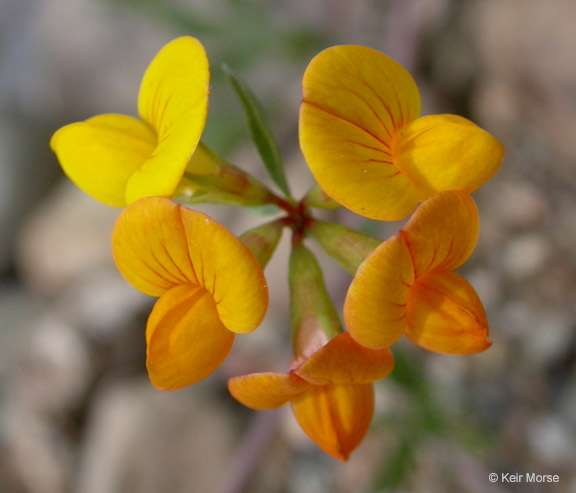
<point x="263" y="240"/>
<point x="347" y="246"/>
<point x="210" y="179"/>
<point x="318" y="199"/>
<point x="314" y="318"/>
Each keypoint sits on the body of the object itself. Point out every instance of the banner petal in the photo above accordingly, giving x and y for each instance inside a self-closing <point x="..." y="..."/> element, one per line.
<point x="173" y="100"/>
<point x="355" y="100"/>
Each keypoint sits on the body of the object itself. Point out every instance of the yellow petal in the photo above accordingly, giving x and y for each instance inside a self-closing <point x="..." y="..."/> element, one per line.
<point x="354" y="168"/>
<point x="266" y="390"/>
<point x="355" y="99"/>
<point x="150" y="246"/>
<point x="363" y="87"/>
<point x="447" y="152"/>
<point x="336" y="417"/>
<point x="185" y="337"/>
<point x="446" y="315"/>
<point x="100" y="154"/>
<point x="343" y="360"/>
<point x="158" y="244"/>
<point x="173" y="100"/>
<point x="375" y="305"/>
<point x="442" y="233"/>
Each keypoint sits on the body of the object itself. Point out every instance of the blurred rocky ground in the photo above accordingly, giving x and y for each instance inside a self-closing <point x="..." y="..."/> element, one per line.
<point x="77" y="413"/>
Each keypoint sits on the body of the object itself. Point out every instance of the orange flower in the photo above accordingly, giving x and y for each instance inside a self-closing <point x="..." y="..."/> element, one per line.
<point x="330" y="381"/>
<point x="406" y="285"/>
<point x="368" y="149"/>
<point x="210" y="287"/>
<point x="331" y="392"/>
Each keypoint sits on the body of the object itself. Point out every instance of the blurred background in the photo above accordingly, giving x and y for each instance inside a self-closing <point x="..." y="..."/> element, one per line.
<point x="77" y="413"/>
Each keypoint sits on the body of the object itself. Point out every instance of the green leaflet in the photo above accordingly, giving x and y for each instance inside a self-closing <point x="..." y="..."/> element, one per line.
<point x="261" y="133"/>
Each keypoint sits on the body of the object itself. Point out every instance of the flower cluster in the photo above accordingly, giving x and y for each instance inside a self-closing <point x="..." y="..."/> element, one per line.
<point x="369" y="151"/>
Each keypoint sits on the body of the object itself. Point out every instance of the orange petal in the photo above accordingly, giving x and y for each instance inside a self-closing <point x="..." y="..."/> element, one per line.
<point x="355" y="99"/>
<point x="447" y="152"/>
<point x="442" y="233"/>
<point x="186" y="340"/>
<point x="375" y="306"/>
<point x="150" y="246"/>
<point x="266" y="390"/>
<point x="158" y="244"/>
<point x="228" y="270"/>
<point x="343" y="360"/>
<point x="445" y="315"/>
<point x="336" y="417"/>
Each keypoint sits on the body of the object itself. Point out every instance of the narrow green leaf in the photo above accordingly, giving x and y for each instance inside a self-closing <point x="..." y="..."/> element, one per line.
<point x="261" y="133"/>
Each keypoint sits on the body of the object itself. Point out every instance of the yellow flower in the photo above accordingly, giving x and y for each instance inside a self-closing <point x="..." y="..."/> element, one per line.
<point x="331" y="392"/>
<point x="210" y="287"/>
<point x="406" y="286"/>
<point x="118" y="159"/>
<point x="362" y="137"/>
